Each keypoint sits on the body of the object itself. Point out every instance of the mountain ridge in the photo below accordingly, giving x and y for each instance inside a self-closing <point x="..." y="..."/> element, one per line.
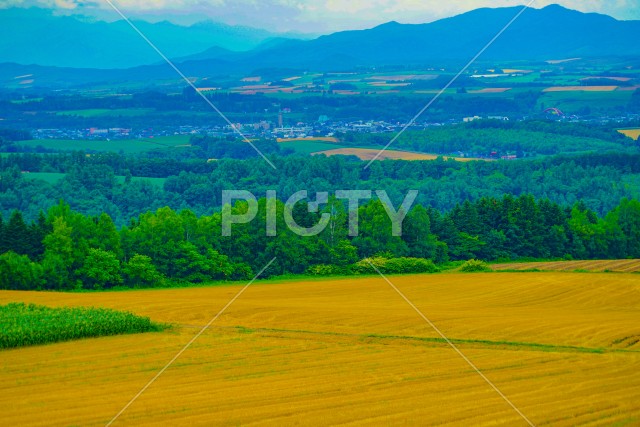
<point x="553" y="32"/>
<point x="539" y="34"/>
<point x="36" y="36"/>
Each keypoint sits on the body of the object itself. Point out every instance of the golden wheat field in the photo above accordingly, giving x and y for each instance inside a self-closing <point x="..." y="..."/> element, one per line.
<point x="369" y="153"/>
<point x="616" y="266"/>
<point x="631" y="133"/>
<point x="564" y="348"/>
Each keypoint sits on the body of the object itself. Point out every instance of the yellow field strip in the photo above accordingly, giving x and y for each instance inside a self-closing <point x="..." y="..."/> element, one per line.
<point x="631" y="133"/>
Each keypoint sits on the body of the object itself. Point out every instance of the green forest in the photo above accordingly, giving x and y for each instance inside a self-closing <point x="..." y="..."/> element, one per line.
<point x="125" y="187"/>
<point x="67" y="250"/>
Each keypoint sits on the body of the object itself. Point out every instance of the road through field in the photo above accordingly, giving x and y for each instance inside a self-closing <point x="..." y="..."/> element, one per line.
<point x="562" y="346"/>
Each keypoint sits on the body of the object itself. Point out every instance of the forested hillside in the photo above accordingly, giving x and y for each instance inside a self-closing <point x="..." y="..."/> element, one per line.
<point x="125" y="187"/>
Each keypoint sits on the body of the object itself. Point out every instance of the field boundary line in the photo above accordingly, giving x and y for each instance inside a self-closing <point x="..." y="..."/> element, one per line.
<point x="189" y="82"/>
<point x="452" y="81"/>
<point x="451" y="344"/>
<point x="236" y="296"/>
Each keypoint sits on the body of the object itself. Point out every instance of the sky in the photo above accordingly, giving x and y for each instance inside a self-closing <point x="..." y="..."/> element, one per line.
<point x="308" y="16"/>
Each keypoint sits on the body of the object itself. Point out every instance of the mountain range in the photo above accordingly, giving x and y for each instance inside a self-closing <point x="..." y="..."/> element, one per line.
<point x="36" y="36"/>
<point x="553" y="32"/>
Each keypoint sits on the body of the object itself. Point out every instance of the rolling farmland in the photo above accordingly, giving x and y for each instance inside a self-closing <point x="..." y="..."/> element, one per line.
<point x="563" y="347"/>
<point x="370" y="153"/>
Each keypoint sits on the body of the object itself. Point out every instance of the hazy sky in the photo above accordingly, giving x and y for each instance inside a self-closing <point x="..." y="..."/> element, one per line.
<point x="310" y="15"/>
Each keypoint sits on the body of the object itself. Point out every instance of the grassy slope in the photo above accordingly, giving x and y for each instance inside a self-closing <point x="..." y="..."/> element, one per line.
<point x="308" y="147"/>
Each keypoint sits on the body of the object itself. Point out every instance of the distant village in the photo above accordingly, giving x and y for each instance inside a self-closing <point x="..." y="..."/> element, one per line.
<point x="324" y="127"/>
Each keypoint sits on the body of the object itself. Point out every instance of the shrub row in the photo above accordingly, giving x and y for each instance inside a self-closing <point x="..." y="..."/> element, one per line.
<point x="474" y="266"/>
<point x="374" y="264"/>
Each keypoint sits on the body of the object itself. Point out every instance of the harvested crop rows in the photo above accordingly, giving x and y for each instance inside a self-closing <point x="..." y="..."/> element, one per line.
<point x="560" y="346"/>
<point x="617" y="266"/>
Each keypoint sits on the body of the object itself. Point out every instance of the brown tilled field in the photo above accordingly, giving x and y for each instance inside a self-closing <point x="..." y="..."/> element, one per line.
<point x="581" y="89"/>
<point x="618" y="266"/>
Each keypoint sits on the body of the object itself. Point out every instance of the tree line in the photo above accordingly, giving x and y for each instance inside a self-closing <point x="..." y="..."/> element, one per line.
<point x="67" y="250"/>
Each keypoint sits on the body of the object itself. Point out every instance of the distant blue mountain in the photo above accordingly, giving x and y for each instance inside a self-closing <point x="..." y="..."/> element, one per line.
<point x="539" y="34"/>
<point x="35" y="36"/>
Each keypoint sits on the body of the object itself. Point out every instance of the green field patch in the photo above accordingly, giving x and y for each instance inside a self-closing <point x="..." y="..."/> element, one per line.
<point x="25" y="101"/>
<point x="127" y="146"/>
<point x="50" y="177"/>
<point x="53" y="178"/>
<point x="311" y="146"/>
<point x="575" y="101"/>
<point x="26" y="325"/>
<point x="159" y="182"/>
<point x="104" y="112"/>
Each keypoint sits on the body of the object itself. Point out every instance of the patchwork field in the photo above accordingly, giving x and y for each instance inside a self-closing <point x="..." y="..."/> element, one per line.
<point x="618" y="266"/>
<point x="563" y="347"/>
